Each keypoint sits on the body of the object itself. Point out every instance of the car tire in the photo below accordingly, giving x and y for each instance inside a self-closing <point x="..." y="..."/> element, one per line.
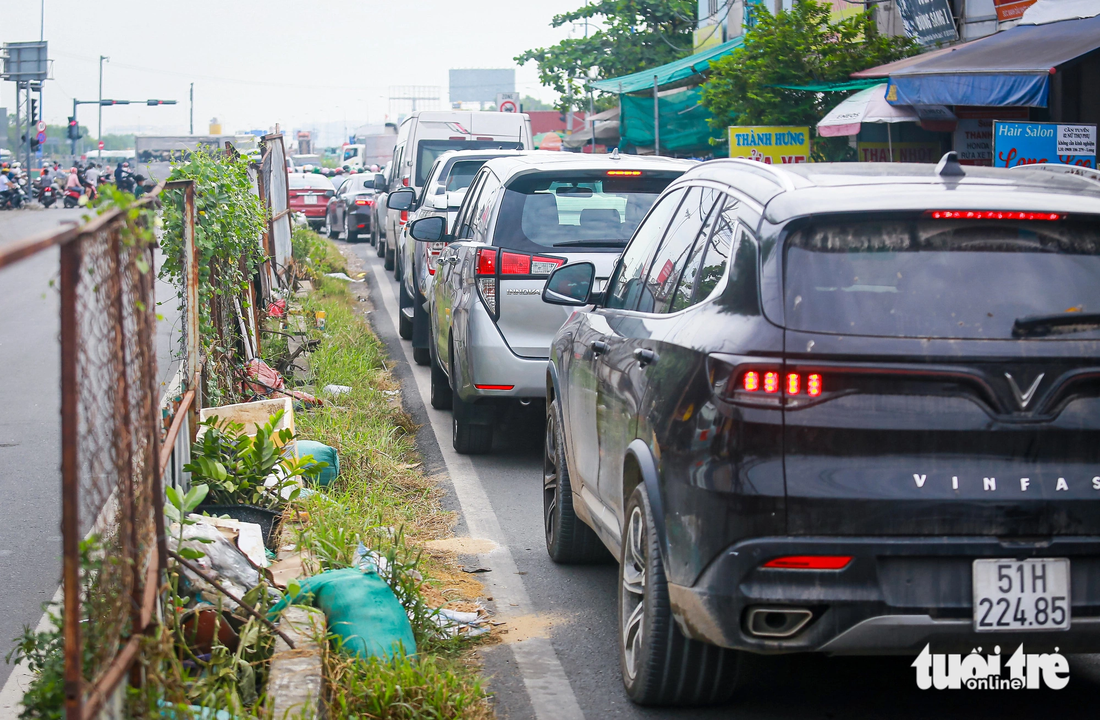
<point x="441" y="389"/>
<point x="349" y="234"/>
<point x="421" y="356"/>
<point x="568" y="539"/>
<point x="389" y="259"/>
<point x="659" y="665"/>
<point x="405" y="327"/>
<point x="380" y="250"/>
<point x="374" y="233"/>
<point x="468" y="438"/>
<point x="330" y="231"/>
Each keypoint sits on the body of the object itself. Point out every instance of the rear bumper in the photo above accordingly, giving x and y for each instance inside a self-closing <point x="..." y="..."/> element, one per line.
<point x="895" y="596"/>
<point x="313" y="212"/>
<point x="487" y="360"/>
<point x="360" y="221"/>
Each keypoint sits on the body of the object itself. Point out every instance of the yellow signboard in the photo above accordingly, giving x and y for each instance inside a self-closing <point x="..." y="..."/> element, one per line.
<point x="770" y="144"/>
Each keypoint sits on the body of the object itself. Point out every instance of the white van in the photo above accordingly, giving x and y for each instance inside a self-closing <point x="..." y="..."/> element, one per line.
<point x="425" y="135"/>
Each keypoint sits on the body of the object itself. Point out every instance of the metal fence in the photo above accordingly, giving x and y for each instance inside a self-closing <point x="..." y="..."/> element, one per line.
<point x="115" y="449"/>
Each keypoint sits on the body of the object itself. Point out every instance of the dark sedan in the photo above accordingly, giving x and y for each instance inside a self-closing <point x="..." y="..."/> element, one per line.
<point x="350" y="211"/>
<point x="849" y="409"/>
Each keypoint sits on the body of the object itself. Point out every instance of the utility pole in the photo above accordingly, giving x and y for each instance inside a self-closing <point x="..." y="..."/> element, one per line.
<point x="192" y="121"/>
<point x="42" y="23"/>
<point x="99" y="128"/>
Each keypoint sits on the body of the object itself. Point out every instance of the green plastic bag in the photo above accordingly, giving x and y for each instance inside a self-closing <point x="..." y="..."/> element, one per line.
<point x="360" y="608"/>
<point x="321" y="453"/>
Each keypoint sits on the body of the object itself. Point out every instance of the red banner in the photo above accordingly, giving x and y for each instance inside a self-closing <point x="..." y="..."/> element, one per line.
<point x="1011" y="9"/>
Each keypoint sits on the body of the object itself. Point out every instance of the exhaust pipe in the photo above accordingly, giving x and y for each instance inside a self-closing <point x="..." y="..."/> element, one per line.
<point x="777" y="622"/>
<point x="525" y="402"/>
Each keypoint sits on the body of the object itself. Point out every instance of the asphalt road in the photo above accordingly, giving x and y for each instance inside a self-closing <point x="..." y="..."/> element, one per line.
<point x="30" y="506"/>
<point x="578" y="604"/>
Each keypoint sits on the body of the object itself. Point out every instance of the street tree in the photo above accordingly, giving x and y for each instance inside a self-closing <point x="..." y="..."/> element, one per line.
<point x="797" y="47"/>
<point x="625" y="36"/>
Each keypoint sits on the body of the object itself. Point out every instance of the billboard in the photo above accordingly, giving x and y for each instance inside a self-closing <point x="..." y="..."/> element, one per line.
<point x="770" y="144"/>
<point x="480" y="85"/>
<point x="1024" y="143"/>
<point x="929" y="22"/>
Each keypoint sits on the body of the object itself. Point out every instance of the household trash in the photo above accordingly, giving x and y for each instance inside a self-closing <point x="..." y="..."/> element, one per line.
<point x="321" y="453"/>
<point x="320" y="317"/>
<point x="360" y="609"/>
<point x="220" y="558"/>
<point x="371" y="561"/>
<point x="456" y="622"/>
<point x="472" y="569"/>
<point x="248" y="536"/>
<point x="277" y="309"/>
<point x="341" y="276"/>
<point x="337" y="389"/>
<point x="266" y="381"/>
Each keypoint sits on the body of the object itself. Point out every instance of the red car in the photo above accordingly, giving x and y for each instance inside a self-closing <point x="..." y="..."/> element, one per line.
<point x="309" y="195"/>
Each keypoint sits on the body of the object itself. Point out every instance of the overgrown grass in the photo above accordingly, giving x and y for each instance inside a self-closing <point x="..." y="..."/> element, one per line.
<point x="382" y="499"/>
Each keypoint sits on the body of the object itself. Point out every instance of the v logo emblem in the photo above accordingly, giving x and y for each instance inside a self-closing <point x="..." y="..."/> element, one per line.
<point x="1025" y="397"/>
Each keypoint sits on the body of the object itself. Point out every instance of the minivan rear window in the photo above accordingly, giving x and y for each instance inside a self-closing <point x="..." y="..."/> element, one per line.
<point x="924" y="278"/>
<point x="573" y="211"/>
<point x="428" y="150"/>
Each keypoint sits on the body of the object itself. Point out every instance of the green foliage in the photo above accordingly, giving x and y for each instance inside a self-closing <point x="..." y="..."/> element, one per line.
<point x="230" y="221"/>
<point x="796" y="47"/>
<point x="235" y="465"/>
<point x="400" y="689"/>
<point x="533" y="104"/>
<point x="313" y="255"/>
<point x="627" y="36"/>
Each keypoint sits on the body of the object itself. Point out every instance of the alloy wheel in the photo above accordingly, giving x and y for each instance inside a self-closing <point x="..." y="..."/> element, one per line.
<point x="550" y="478"/>
<point x="634" y="563"/>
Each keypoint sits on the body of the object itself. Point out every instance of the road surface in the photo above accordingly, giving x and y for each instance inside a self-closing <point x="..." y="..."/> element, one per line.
<point x="30" y="455"/>
<point x="578" y="604"/>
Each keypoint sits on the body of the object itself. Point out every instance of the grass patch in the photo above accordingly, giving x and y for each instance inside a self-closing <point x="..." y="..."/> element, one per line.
<point x="382" y="499"/>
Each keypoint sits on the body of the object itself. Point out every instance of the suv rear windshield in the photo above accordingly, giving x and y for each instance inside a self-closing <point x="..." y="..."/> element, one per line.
<point x="428" y="150"/>
<point x="966" y="279"/>
<point x="573" y="211"/>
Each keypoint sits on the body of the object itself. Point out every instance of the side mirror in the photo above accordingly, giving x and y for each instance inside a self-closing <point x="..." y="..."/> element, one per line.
<point x="379" y="181"/>
<point x="401" y="199"/>
<point x="570" y="285"/>
<point x="429" y="229"/>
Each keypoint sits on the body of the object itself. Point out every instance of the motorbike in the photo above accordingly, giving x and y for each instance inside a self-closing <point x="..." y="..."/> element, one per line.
<point x="72" y="197"/>
<point x="14" y="199"/>
<point x="47" y="194"/>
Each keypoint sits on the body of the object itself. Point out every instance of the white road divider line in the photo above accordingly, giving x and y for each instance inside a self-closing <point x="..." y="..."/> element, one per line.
<point x="11" y="696"/>
<point x="544" y="678"/>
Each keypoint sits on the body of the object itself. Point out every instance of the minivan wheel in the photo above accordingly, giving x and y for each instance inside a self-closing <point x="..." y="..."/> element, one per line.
<point x="389" y="259"/>
<point x="405" y="327"/>
<point x="441" y="389"/>
<point x="568" y="539"/>
<point x="374" y="233"/>
<point x="660" y="666"/>
<point x="466" y="437"/>
<point x="421" y="356"/>
<point x="380" y="250"/>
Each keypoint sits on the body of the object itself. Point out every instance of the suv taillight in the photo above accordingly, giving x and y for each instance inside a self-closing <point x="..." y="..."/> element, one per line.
<point x="762" y="383"/>
<point x="493" y="263"/>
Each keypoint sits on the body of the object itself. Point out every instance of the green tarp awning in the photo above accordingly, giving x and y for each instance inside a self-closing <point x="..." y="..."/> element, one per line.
<point x="670" y="73"/>
<point x="684" y="128"/>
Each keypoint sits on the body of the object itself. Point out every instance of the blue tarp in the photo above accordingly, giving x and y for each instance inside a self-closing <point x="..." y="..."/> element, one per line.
<point x="1010" y="68"/>
<point x="1000" y="90"/>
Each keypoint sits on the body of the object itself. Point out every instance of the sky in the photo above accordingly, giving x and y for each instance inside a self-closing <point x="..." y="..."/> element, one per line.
<point x="255" y="64"/>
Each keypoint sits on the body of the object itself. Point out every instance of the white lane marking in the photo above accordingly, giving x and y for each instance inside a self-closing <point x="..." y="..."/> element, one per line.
<point x="544" y="678"/>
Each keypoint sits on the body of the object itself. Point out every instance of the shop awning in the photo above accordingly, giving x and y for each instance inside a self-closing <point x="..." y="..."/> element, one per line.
<point x="1010" y="68"/>
<point x="670" y="74"/>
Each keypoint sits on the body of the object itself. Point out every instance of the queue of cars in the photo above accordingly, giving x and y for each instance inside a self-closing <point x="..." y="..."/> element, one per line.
<point x="832" y="408"/>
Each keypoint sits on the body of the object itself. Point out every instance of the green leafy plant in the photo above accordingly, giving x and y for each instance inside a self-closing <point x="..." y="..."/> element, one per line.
<point x="236" y="465"/>
<point x="799" y="46"/>
<point x="177" y="510"/>
<point x="229" y="224"/>
<point x="627" y="36"/>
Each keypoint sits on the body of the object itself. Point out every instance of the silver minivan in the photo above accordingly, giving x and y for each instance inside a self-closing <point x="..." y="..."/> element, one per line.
<point x="522" y="217"/>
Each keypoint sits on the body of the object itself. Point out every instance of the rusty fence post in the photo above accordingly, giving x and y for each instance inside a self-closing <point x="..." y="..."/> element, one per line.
<point x="70" y="481"/>
<point x="192" y="310"/>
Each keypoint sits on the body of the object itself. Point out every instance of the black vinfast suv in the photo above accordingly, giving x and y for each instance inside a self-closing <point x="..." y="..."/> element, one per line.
<point x="838" y="408"/>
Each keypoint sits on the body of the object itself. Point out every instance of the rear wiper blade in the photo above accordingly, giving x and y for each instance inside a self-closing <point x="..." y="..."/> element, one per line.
<point x="1054" y="324"/>
<point x="591" y="243"/>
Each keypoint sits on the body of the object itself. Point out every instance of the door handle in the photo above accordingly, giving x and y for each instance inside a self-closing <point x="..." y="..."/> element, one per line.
<point x="599" y="347"/>
<point x="645" y="356"/>
<point x="451" y="260"/>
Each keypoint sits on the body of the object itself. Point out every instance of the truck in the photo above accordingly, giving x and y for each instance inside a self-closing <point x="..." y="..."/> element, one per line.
<point x="371" y="145"/>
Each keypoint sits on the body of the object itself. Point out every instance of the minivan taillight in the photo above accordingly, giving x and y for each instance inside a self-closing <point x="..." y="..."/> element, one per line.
<point x="493" y="263"/>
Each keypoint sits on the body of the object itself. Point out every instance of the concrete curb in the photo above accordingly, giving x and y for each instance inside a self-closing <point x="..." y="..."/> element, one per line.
<point x="295" y="682"/>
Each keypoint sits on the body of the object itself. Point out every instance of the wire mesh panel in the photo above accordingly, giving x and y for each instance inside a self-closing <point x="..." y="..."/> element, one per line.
<point x="111" y="496"/>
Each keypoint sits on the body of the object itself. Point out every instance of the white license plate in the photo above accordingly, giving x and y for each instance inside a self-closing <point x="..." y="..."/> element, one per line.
<point x="310" y="199"/>
<point x="1012" y="595"/>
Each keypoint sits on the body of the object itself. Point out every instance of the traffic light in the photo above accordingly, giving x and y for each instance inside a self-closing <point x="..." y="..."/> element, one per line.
<point x="74" y="129"/>
<point x="34" y="142"/>
<point x="160" y="102"/>
<point x="34" y="110"/>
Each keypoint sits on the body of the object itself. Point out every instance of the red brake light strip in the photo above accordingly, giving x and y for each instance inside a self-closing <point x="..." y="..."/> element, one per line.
<point x="991" y="215"/>
<point x="810" y="562"/>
